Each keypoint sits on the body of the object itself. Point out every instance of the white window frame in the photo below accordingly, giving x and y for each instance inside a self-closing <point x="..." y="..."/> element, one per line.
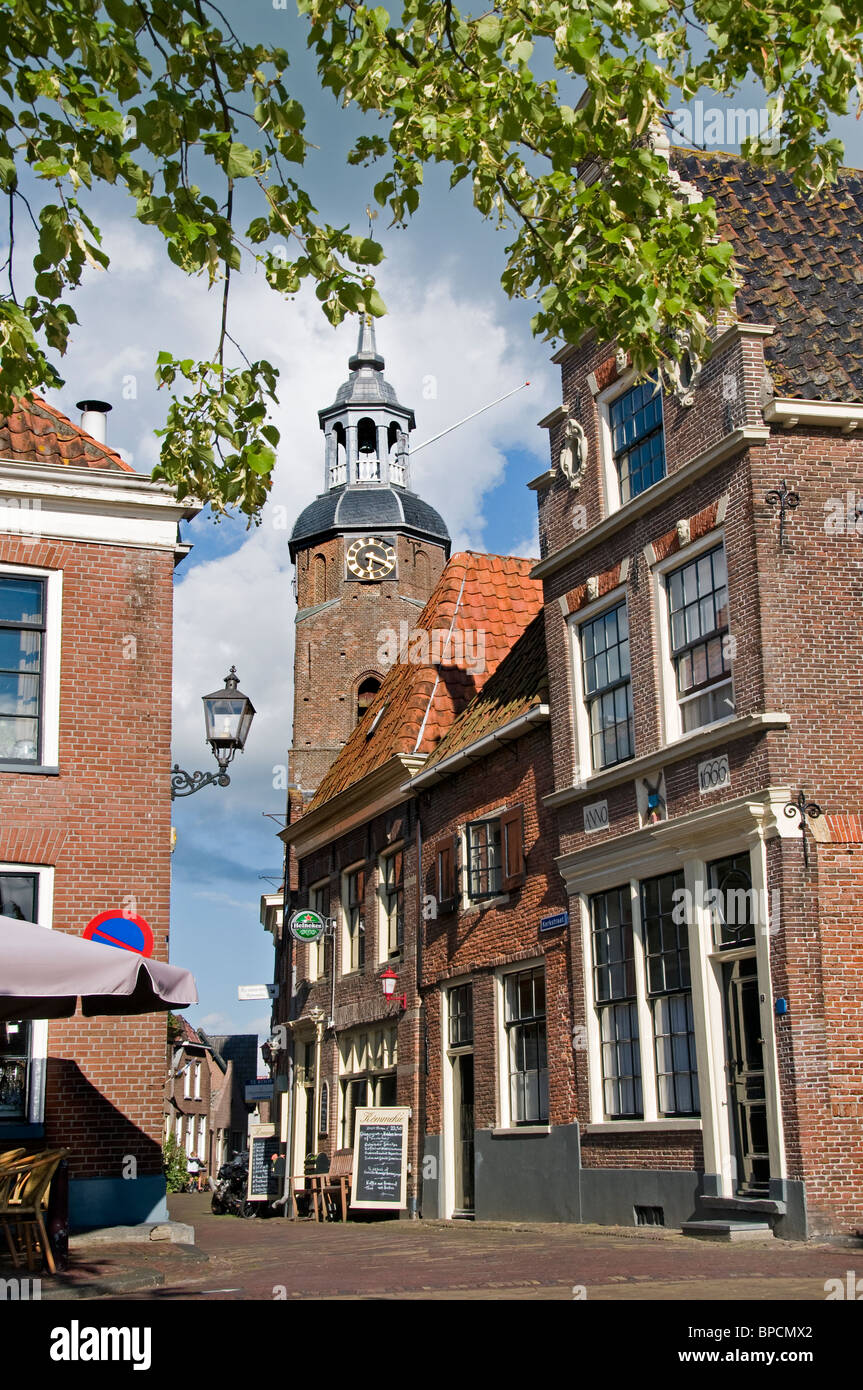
<point x="447" y="1190"/>
<point x="345" y="967"/>
<point x="609" y="482"/>
<point x="469" y="904"/>
<point x="504" y="1106"/>
<point x="187" y="1078"/>
<point x="197" y="1081"/>
<point x="39" y="1029"/>
<point x="671" y="718"/>
<point x="316" y="950"/>
<point x="49" y="731"/>
<point x="383" y="952"/>
<point x="706" y="962"/>
<point x="584" y="767"/>
<point x="202" y="1138"/>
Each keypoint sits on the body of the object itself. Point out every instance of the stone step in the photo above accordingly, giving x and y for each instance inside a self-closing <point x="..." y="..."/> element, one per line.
<point x="744" y="1207"/>
<point x="727" y="1230"/>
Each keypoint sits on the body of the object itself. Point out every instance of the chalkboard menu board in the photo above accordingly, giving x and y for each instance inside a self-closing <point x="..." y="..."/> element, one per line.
<point x="263" y="1182"/>
<point x="380" y="1158"/>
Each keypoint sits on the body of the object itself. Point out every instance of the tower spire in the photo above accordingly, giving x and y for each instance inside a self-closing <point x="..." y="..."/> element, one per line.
<point x="367" y="354"/>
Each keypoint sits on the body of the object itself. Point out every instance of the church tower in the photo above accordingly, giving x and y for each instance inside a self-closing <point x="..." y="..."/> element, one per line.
<point x="368" y="553"/>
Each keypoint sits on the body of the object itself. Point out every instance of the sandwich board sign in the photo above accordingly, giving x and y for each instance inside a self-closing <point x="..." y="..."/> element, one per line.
<point x="263" y="1182"/>
<point x="379" y="1179"/>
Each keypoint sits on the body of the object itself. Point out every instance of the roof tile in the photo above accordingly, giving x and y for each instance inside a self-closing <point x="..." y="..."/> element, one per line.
<point x="35" y="432"/>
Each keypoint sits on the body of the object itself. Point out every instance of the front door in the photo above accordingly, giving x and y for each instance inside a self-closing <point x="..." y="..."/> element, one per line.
<point x="746" y="1074"/>
<point x="462" y="1090"/>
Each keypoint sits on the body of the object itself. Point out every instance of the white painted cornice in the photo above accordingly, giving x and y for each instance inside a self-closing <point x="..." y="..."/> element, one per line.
<point x="705" y="833"/>
<point x="846" y="415"/>
<point x="733" y="443"/>
<point x="700" y="741"/>
<point x="480" y="748"/>
<point x="380" y="790"/>
<point x="103" y="506"/>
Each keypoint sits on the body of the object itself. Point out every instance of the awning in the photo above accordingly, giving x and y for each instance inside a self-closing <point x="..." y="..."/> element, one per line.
<point x="45" y="974"/>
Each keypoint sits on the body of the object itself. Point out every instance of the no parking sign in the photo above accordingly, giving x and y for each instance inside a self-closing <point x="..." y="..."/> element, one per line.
<point x="112" y="928"/>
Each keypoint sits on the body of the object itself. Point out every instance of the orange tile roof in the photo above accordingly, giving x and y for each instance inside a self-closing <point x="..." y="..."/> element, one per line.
<point x="519" y="685"/>
<point x="37" y="433"/>
<point x="485" y="602"/>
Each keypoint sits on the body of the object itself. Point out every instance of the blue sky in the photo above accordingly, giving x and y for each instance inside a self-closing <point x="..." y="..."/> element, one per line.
<point x="449" y="320"/>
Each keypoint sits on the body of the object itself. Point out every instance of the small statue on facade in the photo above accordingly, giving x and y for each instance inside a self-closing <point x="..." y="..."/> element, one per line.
<point x="573" y="455"/>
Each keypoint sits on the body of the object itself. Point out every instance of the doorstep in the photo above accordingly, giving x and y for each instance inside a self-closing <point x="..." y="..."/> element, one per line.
<point x="174" y="1232"/>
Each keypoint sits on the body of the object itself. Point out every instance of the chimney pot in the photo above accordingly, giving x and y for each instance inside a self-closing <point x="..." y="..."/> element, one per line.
<point x="94" y="419"/>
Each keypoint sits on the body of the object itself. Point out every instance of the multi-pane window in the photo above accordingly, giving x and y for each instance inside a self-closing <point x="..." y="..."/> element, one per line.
<point x="524" y="1018"/>
<point x="355" y="919"/>
<point x="485" y="862"/>
<point x="698" y="621"/>
<point x="22" y="640"/>
<point x="666" y="953"/>
<point x="461" y="1016"/>
<point x="367" y="1063"/>
<point x="319" y="901"/>
<point x="635" y="419"/>
<point x="607" y="687"/>
<point x="732" y="902"/>
<point x="393" y="891"/>
<point x="614" y="992"/>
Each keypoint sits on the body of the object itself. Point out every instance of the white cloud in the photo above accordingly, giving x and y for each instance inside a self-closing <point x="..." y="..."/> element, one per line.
<point x="239" y="609"/>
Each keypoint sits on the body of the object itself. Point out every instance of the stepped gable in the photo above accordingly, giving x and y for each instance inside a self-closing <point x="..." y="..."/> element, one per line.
<point x="801" y="262"/>
<point x="37" y="433"/>
<point x="491" y="595"/>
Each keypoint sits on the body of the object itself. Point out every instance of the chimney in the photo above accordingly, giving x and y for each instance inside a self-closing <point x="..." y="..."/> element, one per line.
<point x="94" y="419"/>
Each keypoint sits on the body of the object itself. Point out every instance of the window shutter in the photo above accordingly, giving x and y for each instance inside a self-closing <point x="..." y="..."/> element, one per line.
<point x="512" y="834"/>
<point x="447" y="869"/>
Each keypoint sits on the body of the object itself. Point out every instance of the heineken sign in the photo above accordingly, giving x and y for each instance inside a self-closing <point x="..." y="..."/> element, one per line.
<point x="307" y="926"/>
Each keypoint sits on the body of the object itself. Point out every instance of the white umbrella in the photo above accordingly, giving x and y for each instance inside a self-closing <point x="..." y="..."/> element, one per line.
<point x="44" y="974"/>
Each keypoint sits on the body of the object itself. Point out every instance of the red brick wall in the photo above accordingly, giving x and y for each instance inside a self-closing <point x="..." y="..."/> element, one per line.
<point x="338" y="647"/>
<point x="794" y="614"/>
<point x="105" y="823"/>
<point x="476" y="943"/>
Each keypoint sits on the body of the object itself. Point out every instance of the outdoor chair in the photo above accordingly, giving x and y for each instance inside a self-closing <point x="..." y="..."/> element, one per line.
<point x="333" y="1187"/>
<point x="24" y="1188"/>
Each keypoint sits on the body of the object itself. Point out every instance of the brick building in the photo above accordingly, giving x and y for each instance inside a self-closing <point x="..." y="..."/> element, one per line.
<point x="499" y="1113"/>
<point x="356" y="849"/>
<point x="702" y="571"/>
<point x="701" y="678"/>
<point x="205" y="1106"/>
<point x="87" y="553"/>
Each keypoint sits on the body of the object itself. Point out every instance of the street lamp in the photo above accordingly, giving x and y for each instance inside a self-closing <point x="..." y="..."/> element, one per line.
<point x="389" y="980"/>
<point x="228" y="715"/>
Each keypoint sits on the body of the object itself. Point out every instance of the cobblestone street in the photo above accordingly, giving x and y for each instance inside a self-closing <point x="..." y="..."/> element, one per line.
<point x="271" y="1259"/>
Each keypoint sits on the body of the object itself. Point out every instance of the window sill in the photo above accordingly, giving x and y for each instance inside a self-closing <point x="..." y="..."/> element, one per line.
<point x="735" y="442"/>
<point x="480" y="905"/>
<point x="40" y="769"/>
<point x="521" y="1132"/>
<point x="686" y="1126"/>
<point x="727" y="730"/>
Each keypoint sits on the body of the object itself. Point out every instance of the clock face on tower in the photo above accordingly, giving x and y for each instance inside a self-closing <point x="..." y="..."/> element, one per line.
<point x="371" y="558"/>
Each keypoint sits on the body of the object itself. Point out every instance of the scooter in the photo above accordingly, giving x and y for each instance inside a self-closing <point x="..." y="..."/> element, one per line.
<point x="229" y="1193"/>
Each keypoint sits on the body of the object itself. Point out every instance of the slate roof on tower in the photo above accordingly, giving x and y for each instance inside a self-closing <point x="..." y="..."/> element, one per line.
<point x="802" y="268"/>
<point x="367" y="507"/>
<point x="35" y="432"/>
<point x="492" y="595"/>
